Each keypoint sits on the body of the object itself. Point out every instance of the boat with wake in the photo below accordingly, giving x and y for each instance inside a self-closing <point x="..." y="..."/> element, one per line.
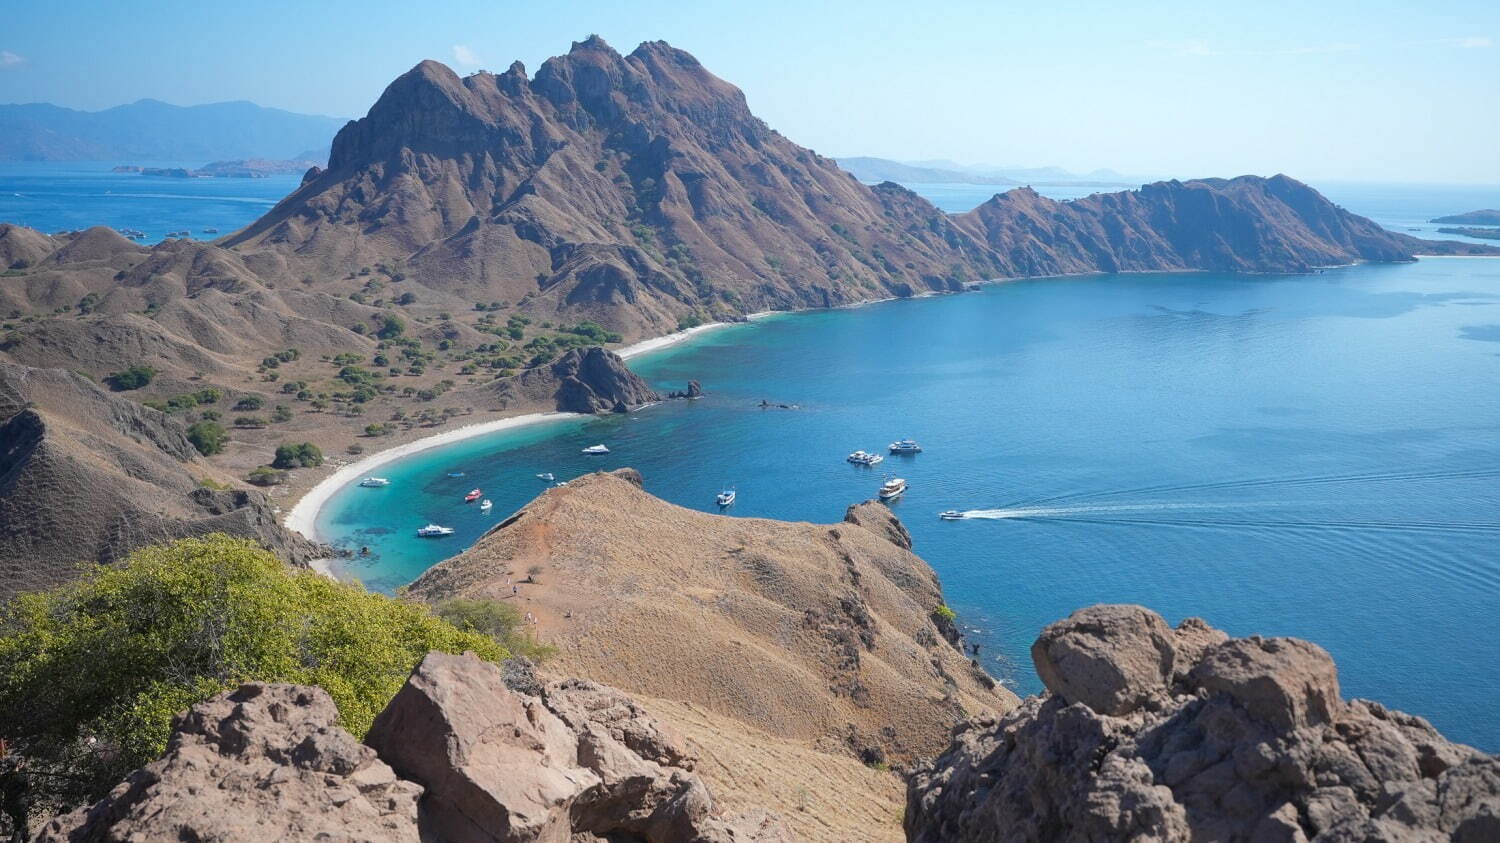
<point x="951" y="515"/>
<point x="432" y="531"/>
<point x="595" y="450"/>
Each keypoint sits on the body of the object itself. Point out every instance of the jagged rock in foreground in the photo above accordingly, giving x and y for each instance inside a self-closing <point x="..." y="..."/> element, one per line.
<point x="1150" y="733"/>
<point x="456" y="756"/>
<point x="265" y="762"/>
<point x="87" y="476"/>
<point x="581" y="759"/>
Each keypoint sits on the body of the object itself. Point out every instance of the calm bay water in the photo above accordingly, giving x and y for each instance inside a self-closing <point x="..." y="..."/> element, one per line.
<point x="1314" y="456"/>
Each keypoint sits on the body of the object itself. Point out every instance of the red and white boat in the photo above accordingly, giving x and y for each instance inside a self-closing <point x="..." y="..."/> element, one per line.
<point x="472" y="496"/>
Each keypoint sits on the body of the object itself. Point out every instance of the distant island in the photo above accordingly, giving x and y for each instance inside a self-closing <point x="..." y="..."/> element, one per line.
<point x="1484" y="217"/>
<point x="151" y="130"/>
<point x="876" y="170"/>
<point x="247" y="168"/>
<point x="1481" y="233"/>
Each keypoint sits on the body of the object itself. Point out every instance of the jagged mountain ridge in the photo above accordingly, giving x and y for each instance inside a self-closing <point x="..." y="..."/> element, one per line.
<point x="640" y="191"/>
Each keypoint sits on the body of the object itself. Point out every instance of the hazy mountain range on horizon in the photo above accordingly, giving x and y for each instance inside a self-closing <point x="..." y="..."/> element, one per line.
<point x="943" y="171"/>
<point x="152" y="130"/>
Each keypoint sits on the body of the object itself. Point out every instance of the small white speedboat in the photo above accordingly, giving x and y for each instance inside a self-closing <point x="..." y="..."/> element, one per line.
<point x="951" y="515"/>
<point x="726" y="497"/>
<point x="595" y="450"/>
<point x="546" y="475"/>
<point x="374" y="482"/>
<point x="485" y="505"/>
<point x="892" y="489"/>
<point x="432" y="531"/>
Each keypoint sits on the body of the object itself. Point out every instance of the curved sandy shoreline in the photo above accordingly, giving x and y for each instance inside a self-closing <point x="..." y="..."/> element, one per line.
<point x="303" y="515"/>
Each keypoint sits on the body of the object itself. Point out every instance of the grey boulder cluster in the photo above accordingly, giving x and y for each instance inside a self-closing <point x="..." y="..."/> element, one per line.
<point x="1162" y="734"/>
<point x="456" y="756"/>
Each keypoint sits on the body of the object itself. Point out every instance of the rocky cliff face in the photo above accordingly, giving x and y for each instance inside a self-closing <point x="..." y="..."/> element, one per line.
<point x="638" y="190"/>
<point x="1154" y="733"/>
<point x="457" y="756"/>
<point x="86" y="476"/>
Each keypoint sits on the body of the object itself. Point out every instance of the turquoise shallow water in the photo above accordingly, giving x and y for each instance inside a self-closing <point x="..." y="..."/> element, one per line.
<point x="1314" y="456"/>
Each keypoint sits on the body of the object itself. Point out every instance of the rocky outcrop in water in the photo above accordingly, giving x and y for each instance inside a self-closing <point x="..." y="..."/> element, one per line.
<point x="584" y="380"/>
<point x="1487" y="216"/>
<point x="1154" y="733"/>
<point x="264" y="762"/>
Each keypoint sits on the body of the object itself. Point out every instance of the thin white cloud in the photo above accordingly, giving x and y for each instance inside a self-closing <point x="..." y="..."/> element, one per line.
<point x="10" y="61"/>
<point x="1468" y="42"/>
<point x="1199" y="47"/>
<point x="465" y="56"/>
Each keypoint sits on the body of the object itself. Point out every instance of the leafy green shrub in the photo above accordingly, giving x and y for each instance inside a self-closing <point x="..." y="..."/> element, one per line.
<point x="208" y="395"/>
<point x="297" y="455"/>
<point x="250" y="421"/>
<point x="250" y="403"/>
<point x="134" y="377"/>
<point x="391" y="326"/>
<point x="266" y="476"/>
<point x="208" y="437"/>
<point x="91" y="673"/>
<point x="282" y="413"/>
<point x="943" y="614"/>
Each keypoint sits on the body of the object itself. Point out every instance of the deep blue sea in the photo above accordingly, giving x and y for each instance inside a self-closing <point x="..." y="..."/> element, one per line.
<point x="1315" y="456"/>
<point x="54" y="196"/>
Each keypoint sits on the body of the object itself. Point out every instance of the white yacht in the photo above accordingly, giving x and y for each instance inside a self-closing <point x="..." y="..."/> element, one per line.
<point x="726" y="497"/>
<point x="951" y="515"/>
<point x="432" y="531"/>
<point x="594" y="450"/>
<point x="892" y="489"/>
<point x="485" y="505"/>
<point x="906" y="446"/>
<point x="864" y="458"/>
<point x="374" y="482"/>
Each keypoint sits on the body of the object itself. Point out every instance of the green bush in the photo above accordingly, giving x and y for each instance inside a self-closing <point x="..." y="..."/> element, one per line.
<point x="266" y="476"/>
<point x="208" y="437"/>
<point x="251" y="403"/>
<point x="943" y="614"/>
<point x="134" y="377"/>
<point x="91" y="673"/>
<point x="297" y="455"/>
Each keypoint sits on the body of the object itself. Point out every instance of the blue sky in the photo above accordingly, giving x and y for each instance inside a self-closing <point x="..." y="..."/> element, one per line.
<point x="1379" y="91"/>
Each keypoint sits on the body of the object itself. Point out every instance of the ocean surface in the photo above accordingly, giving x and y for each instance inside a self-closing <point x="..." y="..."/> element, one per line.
<point x="1315" y="456"/>
<point x="54" y="196"/>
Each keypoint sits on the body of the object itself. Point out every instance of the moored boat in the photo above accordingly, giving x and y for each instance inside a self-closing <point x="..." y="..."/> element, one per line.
<point x="906" y="446"/>
<point x="374" y="482"/>
<point x="726" y="497"/>
<point x="864" y="458"/>
<point x="892" y="489"/>
<point x="485" y="504"/>
<point x="472" y="496"/>
<point x="433" y="531"/>
<point x="594" y="450"/>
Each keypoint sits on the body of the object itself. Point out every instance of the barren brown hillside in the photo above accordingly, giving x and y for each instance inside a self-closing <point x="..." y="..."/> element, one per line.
<point x="821" y="635"/>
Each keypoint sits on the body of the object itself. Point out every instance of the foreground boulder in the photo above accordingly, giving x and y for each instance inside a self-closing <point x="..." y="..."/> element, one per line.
<point x="1150" y="733"/>
<point x="581" y="759"/>
<point x="264" y="762"/>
